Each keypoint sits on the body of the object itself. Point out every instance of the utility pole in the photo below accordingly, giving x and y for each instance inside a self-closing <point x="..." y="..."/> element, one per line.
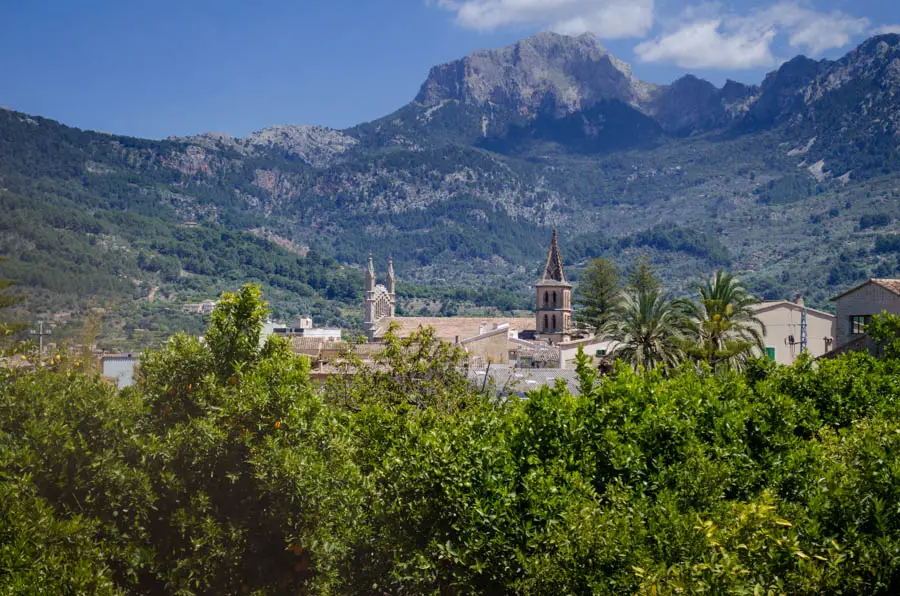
<point x="40" y="334"/>
<point x="804" y="331"/>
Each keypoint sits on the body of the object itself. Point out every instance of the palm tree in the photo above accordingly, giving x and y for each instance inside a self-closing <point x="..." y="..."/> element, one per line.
<point x="651" y="329"/>
<point x="726" y="329"/>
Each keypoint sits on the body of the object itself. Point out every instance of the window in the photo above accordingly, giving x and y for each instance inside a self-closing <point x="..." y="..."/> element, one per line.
<point x="554" y="298"/>
<point x="546" y="323"/>
<point x="858" y="323"/>
<point x="770" y="352"/>
<point x="554" y="321"/>
<point x="546" y="299"/>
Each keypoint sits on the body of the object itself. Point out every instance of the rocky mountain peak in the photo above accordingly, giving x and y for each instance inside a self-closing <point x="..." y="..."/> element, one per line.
<point x="547" y="71"/>
<point x="316" y="145"/>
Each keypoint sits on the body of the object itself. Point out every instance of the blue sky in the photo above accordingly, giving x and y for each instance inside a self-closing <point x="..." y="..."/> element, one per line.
<point x="161" y="68"/>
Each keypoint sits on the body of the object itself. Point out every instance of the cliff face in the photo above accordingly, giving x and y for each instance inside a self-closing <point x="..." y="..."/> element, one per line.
<point x="547" y="73"/>
<point x="315" y="145"/>
<point x="550" y="76"/>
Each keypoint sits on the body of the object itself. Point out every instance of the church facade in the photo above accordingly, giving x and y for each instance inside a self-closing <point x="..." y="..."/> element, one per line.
<point x="381" y="302"/>
<point x="552" y="321"/>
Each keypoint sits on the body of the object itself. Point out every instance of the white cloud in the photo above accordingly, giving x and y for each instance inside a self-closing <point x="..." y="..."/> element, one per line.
<point x="605" y="18"/>
<point x="810" y="30"/>
<point x="733" y="41"/>
<point x="886" y="29"/>
<point x="703" y="45"/>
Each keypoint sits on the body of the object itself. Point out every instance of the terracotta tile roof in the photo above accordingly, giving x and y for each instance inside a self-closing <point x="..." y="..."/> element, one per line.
<point x="519" y="381"/>
<point x="891" y="285"/>
<point x="318" y="347"/>
<point x="771" y="304"/>
<point x="537" y="351"/>
<point x="451" y="328"/>
<point x="310" y="346"/>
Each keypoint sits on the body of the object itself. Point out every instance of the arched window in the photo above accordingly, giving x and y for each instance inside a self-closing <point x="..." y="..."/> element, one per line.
<point x="554" y="322"/>
<point x="554" y="298"/>
<point x="546" y="298"/>
<point x="546" y="324"/>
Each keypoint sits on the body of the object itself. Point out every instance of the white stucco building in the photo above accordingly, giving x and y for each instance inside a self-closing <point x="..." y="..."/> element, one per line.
<point x="782" y="319"/>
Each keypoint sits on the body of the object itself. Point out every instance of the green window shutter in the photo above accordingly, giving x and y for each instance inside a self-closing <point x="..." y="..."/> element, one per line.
<point x="770" y="353"/>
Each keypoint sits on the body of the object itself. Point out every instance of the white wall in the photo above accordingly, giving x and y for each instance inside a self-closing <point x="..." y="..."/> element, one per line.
<point x="782" y="320"/>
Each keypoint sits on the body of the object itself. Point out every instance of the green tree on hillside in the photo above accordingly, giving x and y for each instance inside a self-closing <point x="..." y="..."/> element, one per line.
<point x="642" y="277"/>
<point x="725" y="327"/>
<point x="599" y="295"/>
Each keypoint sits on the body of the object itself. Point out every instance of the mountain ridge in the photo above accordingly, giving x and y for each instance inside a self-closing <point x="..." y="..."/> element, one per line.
<point x="781" y="181"/>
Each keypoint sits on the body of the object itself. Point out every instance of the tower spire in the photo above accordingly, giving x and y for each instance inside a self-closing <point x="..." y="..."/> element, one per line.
<point x="553" y="269"/>
<point x="370" y="275"/>
<point x="390" y="275"/>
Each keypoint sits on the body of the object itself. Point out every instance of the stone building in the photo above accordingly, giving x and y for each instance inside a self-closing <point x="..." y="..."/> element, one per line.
<point x="553" y="312"/>
<point x="381" y="302"/>
<point x="854" y="309"/>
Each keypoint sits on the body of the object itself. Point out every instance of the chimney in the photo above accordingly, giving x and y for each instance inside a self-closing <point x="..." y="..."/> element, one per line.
<point x="482" y="328"/>
<point x="799" y="301"/>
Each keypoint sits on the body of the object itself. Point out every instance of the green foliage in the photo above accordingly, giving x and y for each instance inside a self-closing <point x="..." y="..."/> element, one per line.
<point x="889" y="243"/>
<point x="6" y="301"/>
<point x="652" y="329"/>
<point x="234" y="330"/>
<point x="224" y="471"/>
<point x="43" y="554"/>
<point x="598" y="294"/>
<point x="787" y="189"/>
<point x="419" y="371"/>
<point x="884" y="329"/>
<point x="687" y="240"/>
<point x="642" y="277"/>
<point x="726" y="328"/>
<point x="874" y="220"/>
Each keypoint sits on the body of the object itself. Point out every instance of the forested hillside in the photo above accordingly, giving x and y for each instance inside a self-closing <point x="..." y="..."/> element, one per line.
<point x="793" y="183"/>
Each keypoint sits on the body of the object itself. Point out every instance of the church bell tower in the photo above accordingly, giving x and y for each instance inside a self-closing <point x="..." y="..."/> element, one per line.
<point x="554" y="297"/>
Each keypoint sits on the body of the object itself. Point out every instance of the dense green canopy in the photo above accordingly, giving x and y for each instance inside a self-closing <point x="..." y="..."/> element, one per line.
<point x="225" y="471"/>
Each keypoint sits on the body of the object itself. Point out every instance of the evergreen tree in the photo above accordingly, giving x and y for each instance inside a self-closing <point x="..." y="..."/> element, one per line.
<point x="642" y="277"/>
<point x="599" y="295"/>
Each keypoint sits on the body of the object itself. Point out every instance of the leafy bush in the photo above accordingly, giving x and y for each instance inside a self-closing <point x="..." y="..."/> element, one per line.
<point x="224" y="470"/>
<point x="874" y="220"/>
